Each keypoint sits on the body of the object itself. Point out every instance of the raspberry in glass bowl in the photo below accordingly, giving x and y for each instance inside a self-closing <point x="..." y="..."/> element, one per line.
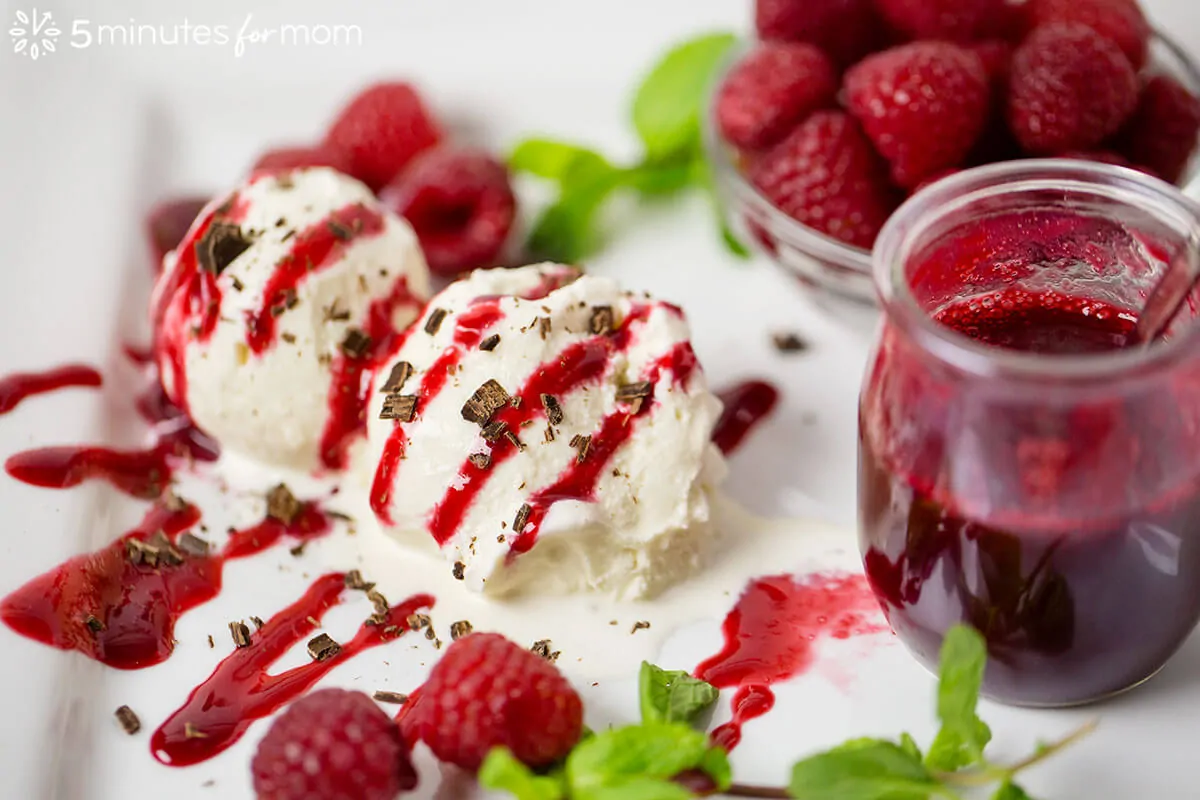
<point x="814" y="144"/>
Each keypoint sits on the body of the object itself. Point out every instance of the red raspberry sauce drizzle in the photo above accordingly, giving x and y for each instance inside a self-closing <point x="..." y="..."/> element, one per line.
<point x="136" y="606"/>
<point x="469" y="330"/>
<point x="240" y="690"/>
<point x="354" y="377"/>
<point x="746" y="405"/>
<point x="140" y="473"/>
<point x="318" y="246"/>
<point x="771" y="634"/>
<point x="21" y="385"/>
<point x="578" y="481"/>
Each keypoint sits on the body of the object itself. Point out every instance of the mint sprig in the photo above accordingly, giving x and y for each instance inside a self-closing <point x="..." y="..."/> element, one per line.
<point x="640" y="762"/>
<point x="672" y="695"/>
<point x="667" y="110"/>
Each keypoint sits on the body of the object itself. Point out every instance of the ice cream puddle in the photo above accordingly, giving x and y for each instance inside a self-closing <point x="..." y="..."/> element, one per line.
<point x="542" y="455"/>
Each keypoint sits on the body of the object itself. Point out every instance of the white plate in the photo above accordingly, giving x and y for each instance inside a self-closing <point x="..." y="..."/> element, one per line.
<point x="93" y="136"/>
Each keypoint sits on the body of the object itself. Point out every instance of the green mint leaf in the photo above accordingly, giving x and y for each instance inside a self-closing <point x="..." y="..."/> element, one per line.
<point x="963" y="735"/>
<point x="732" y="243"/>
<point x="658" y="180"/>
<point x="1010" y="791"/>
<point x="865" y="769"/>
<point x="672" y="695"/>
<point x="566" y="231"/>
<point x="503" y="772"/>
<point x="639" y="758"/>
<point x="557" y="161"/>
<point x="909" y="745"/>
<point x="668" y="105"/>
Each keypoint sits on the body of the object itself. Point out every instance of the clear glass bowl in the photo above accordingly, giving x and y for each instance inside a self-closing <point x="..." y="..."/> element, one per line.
<point x="838" y="274"/>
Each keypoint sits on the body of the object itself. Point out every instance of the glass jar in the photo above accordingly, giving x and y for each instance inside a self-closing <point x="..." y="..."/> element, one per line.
<point x="1024" y="465"/>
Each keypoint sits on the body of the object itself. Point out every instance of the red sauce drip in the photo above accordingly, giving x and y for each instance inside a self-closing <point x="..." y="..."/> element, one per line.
<point x="140" y="473"/>
<point x="21" y="385"/>
<point x="136" y="605"/>
<point x="771" y="633"/>
<point x="746" y="405"/>
<point x="578" y="481"/>
<point x="318" y="246"/>
<point x="354" y="378"/>
<point x="240" y="690"/>
<point x="469" y="330"/>
<point x="168" y="222"/>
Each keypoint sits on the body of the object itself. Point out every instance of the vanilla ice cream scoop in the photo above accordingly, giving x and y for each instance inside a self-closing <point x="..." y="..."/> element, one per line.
<point x="275" y="309"/>
<point x="547" y="431"/>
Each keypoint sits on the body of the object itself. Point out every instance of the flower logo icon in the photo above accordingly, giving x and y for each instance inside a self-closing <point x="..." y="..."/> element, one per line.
<point x="33" y="33"/>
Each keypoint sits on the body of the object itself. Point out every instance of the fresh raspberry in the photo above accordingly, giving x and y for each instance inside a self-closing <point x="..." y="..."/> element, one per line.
<point x="381" y="130"/>
<point x="773" y="88"/>
<point x="1162" y="133"/>
<point x="1120" y="21"/>
<point x="332" y="745"/>
<point x="297" y="157"/>
<point x="996" y="57"/>
<point x="168" y="222"/>
<point x="845" y="29"/>
<point x="461" y="205"/>
<point x="948" y="20"/>
<point x="923" y="105"/>
<point x="488" y="692"/>
<point x="1099" y="156"/>
<point x="1069" y="89"/>
<point x="826" y="176"/>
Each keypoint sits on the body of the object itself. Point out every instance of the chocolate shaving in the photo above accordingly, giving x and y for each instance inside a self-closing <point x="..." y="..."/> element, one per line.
<point x="237" y="285"/>
<point x="190" y="731"/>
<point x="240" y="633"/>
<point x="139" y="552"/>
<point x="548" y="435"/>
<point x="287" y="236"/>
<point x="378" y="600"/>
<point x="356" y="344"/>
<point x="634" y="394"/>
<point x="283" y="505"/>
<point x="93" y="623"/>
<point x="542" y="648"/>
<point x="332" y="313"/>
<point x="486" y="401"/>
<point x="601" y="321"/>
<point x="129" y="720"/>
<point x="401" y="371"/>
<point x="522" y="517"/>
<point x="494" y="430"/>
<point x="430" y="634"/>
<point x="480" y="460"/>
<point x="788" y="343"/>
<point x="220" y="246"/>
<point x="399" y="406"/>
<point x="339" y="230"/>
<point x="258" y="623"/>
<point x="489" y="344"/>
<point x="354" y="580"/>
<point x="193" y="545"/>
<point x="554" y="412"/>
<point x="460" y="629"/>
<point x="173" y="502"/>
<point x="298" y="550"/>
<point x="512" y="438"/>
<point x="323" y="647"/>
<point x="395" y="698"/>
<point x="459" y="570"/>
<point x="543" y="326"/>
<point x="515" y="401"/>
<point x="639" y="626"/>
<point x="435" y="320"/>
<point x="290" y="338"/>
<point x="417" y="621"/>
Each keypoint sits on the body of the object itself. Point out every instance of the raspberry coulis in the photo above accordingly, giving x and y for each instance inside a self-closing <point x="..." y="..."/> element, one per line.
<point x="19" y="386"/>
<point x="746" y="405"/>
<point x="123" y="613"/>
<point x="772" y="635"/>
<point x="241" y="690"/>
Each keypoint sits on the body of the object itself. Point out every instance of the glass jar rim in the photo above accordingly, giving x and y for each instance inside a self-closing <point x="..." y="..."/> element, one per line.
<point x="973" y="357"/>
